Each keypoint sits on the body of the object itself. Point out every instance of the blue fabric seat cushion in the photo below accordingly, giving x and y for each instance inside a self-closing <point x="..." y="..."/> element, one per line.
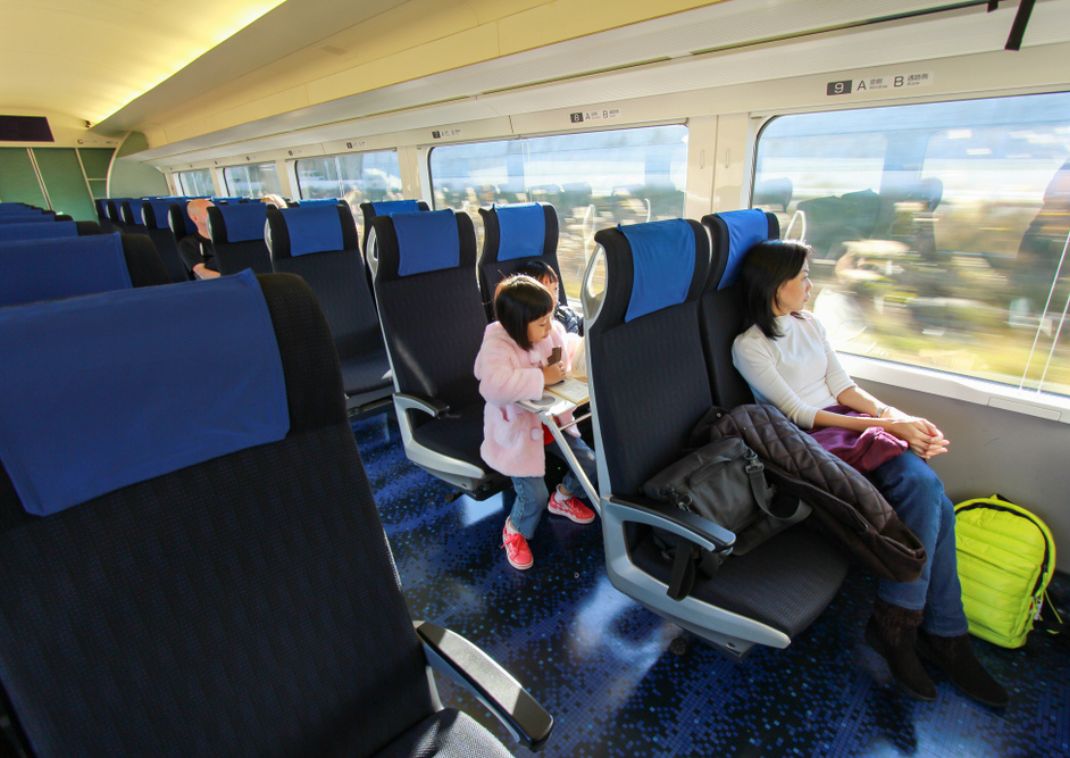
<point x="663" y="263"/>
<point x="122" y="387"/>
<point x="521" y="231"/>
<point x="49" y="269"/>
<point x="746" y="229"/>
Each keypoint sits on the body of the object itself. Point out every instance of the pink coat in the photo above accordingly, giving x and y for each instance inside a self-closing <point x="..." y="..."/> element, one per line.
<point x="507" y="374"/>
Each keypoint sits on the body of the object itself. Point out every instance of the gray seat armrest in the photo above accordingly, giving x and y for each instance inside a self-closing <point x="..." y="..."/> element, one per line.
<point x="703" y="532"/>
<point x="427" y="405"/>
<point x="467" y="664"/>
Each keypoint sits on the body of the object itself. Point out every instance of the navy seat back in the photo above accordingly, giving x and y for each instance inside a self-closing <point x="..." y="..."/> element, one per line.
<point x="56" y="268"/>
<point x="319" y="243"/>
<point x="238" y="236"/>
<point x="721" y="306"/>
<point x="244" y="604"/>
<point x="646" y="367"/>
<point x="28" y="217"/>
<point x="372" y="211"/>
<point x="429" y="303"/>
<point x="29" y="231"/>
<point x="179" y="221"/>
<point x="130" y="210"/>
<point x="512" y="236"/>
<point x="155" y="215"/>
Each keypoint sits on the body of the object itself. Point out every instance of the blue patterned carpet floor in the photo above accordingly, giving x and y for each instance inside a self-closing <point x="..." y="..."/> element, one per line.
<point x="621" y="681"/>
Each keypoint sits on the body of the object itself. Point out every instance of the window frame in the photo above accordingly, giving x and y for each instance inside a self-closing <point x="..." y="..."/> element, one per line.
<point x="335" y="156"/>
<point x="937" y="382"/>
<point x="182" y="184"/>
<point x="258" y="164"/>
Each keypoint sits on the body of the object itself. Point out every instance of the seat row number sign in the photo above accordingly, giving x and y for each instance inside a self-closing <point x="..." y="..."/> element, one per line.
<point x="893" y="81"/>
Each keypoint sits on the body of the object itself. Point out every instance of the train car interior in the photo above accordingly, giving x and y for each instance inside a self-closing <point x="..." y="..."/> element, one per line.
<point x="293" y="461"/>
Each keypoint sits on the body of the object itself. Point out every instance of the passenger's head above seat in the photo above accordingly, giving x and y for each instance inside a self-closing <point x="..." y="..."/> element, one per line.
<point x="275" y="200"/>
<point x="198" y="213"/>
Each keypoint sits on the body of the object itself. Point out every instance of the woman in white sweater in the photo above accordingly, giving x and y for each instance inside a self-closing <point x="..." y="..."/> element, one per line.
<point x="785" y="357"/>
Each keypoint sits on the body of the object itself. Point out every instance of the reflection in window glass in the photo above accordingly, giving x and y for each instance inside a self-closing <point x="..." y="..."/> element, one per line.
<point x="593" y="180"/>
<point x="939" y="230"/>
<point x="254" y="180"/>
<point x="195" y="183"/>
<point x="354" y="177"/>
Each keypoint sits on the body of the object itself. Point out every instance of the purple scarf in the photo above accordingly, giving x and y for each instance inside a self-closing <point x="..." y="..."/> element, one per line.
<point x="864" y="452"/>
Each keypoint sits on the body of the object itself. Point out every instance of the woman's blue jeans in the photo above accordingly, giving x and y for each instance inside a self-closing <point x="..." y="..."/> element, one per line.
<point x="916" y="493"/>
<point x="532" y="495"/>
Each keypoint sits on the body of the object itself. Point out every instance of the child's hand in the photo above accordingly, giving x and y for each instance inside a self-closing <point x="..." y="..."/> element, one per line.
<point x="553" y="373"/>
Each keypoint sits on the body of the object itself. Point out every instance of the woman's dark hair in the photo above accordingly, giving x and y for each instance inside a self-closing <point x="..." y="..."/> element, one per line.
<point x="537" y="269"/>
<point x="518" y="301"/>
<point x="766" y="266"/>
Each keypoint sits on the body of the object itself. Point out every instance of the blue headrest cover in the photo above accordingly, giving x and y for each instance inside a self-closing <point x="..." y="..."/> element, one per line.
<point x="320" y="201"/>
<point x="32" y="231"/>
<point x="112" y="389"/>
<point x="227" y="199"/>
<point x="427" y="241"/>
<point x="745" y="230"/>
<point x="245" y="221"/>
<point x="663" y="265"/>
<point x="315" y="229"/>
<point x="49" y="269"/>
<point x="29" y="217"/>
<point x="522" y="231"/>
<point x="393" y="207"/>
<point x="160" y="207"/>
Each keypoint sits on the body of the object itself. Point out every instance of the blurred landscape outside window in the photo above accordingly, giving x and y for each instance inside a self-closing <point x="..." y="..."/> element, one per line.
<point x="939" y="231"/>
<point x="253" y="180"/>
<point x="196" y="183"/>
<point x="354" y="177"/>
<point x="594" y="180"/>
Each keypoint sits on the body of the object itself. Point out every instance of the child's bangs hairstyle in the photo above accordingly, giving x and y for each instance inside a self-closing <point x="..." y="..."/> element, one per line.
<point x="537" y="270"/>
<point x="767" y="266"/>
<point x="518" y="301"/>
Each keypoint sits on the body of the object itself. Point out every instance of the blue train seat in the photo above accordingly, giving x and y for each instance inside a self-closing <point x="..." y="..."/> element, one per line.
<point x="33" y="230"/>
<point x="372" y="211"/>
<point x="238" y="237"/>
<point x="512" y="236"/>
<point x="55" y="268"/>
<point x="213" y="574"/>
<point x="649" y="386"/>
<point x="433" y="322"/>
<point x="155" y="216"/>
<point x="721" y="307"/>
<point x="319" y="243"/>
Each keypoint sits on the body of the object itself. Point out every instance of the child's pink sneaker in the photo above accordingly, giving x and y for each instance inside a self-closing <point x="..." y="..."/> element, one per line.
<point x="516" y="547"/>
<point x="570" y="507"/>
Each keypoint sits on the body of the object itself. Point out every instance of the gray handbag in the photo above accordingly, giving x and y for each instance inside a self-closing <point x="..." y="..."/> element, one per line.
<point x="723" y="481"/>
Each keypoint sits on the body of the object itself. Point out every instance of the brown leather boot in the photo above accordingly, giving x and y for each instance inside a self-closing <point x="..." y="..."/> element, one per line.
<point x="892" y="631"/>
<point x="954" y="655"/>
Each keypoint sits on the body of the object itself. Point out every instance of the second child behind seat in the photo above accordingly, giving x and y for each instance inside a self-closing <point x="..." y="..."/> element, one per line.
<point x="514" y="364"/>
<point x="544" y="273"/>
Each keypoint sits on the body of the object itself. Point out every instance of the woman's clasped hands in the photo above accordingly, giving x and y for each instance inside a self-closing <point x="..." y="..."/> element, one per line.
<point x="923" y="436"/>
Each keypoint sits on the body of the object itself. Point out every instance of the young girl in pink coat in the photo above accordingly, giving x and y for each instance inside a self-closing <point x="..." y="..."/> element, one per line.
<point x="513" y="365"/>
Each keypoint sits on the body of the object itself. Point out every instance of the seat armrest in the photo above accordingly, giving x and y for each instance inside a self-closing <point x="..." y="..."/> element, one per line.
<point x="703" y="532"/>
<point x="496" y="688"/>
<point x="427" y="405"/>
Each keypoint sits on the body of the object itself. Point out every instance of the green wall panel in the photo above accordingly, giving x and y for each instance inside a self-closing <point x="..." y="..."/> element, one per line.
<point x="63" y="180"/>
<point x="18" y="182"/>
<point x="96" y="161"/>
<point x="132" y="179"/>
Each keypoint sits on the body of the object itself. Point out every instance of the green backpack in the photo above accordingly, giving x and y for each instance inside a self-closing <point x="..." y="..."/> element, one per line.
<point x="1006" y="558"/>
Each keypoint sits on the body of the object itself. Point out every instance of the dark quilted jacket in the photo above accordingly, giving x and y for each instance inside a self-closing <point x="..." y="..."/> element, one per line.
<point x="845" y="502"/>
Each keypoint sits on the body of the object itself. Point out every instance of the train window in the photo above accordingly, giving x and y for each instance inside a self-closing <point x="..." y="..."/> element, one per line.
<point x="253" y="180"/>
<point x="354" y="177"/>
<point x="195" y="183"/>
<point x="939" y="230"/>
<point x="593" y="179"/>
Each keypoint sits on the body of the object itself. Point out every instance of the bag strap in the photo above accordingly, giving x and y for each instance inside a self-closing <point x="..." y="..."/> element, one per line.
<point x="684" y="563"/>
<point x="764" y="494"/>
